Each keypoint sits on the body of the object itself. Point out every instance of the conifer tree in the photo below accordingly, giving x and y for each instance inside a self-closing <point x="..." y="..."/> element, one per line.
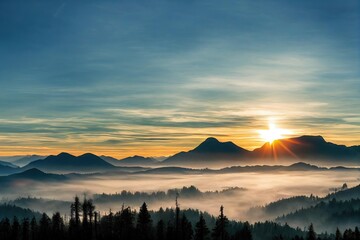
<point x="15" y="229"/>
<point x="77" y="211"/>
<point x="311" y="235"/>
<point x="357" y="233"/>
<point x="177" y="216"/>
<point x="127" y="219"/>
<point x="33" y="229"/>
<point x="74" y="225"/>
<point x="338" y="234"/>
<point x="219" y="231"/>
<point x="201" y="230"/>
<point x="44" y="227"/>
<point x="96" y="223"/>
<point x="5" y="229"/>
<point x="25" y="229"/>
<point x="57" y="228"/>
<point x="245" y="233"/>
<point x="143" y="226"/>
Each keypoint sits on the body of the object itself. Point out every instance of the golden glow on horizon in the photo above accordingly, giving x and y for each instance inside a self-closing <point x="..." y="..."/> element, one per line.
<point x="180" y="139"/>
<point x="273" y="133"/>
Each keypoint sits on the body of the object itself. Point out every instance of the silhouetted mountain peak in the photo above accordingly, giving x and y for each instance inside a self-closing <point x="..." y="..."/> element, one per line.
<point x="136" y="160"/>
<point x="211" y="140"/>
<point x="65" y="155"/>
<point x="211" y="144"/>
<point x="32" y="172"/>
<point x="67" y="162"/>
<point x="88" y="155"/>
<point x="210" y="150"/>
<point x="305" y="147"/>
<point x="312" y="139"/>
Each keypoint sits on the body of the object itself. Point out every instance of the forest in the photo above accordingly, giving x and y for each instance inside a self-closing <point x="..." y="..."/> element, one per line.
<point x="85" y="222"/>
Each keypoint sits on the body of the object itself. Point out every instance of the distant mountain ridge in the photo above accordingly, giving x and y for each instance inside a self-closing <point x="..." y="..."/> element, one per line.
<point x="28" y="177"/>
<point x="306" y="147"/>
<point x="299" y="148"/>
<point x="5" y="170"/>
<point x="27" y="159"/>
<point x="34" y="174"/>
<point x="8" y="164"/>
<point x="66" y="162"/>
<point x="135" y="160"/>
<point x="208" y="151"/>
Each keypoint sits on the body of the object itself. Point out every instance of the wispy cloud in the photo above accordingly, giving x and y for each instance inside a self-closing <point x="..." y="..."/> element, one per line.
<point x="116" y="77"/>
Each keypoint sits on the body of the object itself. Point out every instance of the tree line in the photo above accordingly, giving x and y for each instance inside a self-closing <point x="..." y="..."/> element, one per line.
<point x="86" y="223"/>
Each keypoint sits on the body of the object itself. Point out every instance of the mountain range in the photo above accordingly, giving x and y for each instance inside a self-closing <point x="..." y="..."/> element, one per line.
<point x="310" y="149"/>
<point x="28" y="177"/>
<point x="7" y="164"/>
<point x="211" y="150"/>
<point x="65" y="162"/>
<point x="131" y="161"/>
<point x="296" y="149"/>
<point x="21" y="160"/>
<point x="306" y="147"/>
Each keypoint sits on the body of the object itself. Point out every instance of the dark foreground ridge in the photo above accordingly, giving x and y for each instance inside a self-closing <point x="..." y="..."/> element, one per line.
<point x="169" y="224"/>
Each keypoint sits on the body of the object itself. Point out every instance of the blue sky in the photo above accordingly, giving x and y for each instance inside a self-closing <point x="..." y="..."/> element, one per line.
<point x="154" y="77"/>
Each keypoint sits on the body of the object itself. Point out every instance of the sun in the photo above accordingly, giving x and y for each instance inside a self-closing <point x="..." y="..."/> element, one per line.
<point x="272" y="134"/>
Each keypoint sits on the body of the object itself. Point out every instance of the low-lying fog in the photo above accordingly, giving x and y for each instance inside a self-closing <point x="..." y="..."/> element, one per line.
<point x="260" y="188"/>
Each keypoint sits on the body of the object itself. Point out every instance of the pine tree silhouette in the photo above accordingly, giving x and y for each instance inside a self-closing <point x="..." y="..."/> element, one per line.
<point x="33" y="229"/>
<point x="25" y="229"/>
<point x="245" y="233"/>
<point x="15" y="229"/>
<point x="5" y="229"/>
<point x="338" y="234"/>
<point x="357" y="233"/>
<point x="127" y="218"/>
<point x="57" y="228"/>
<point x="201" y="230"/>
<point x="143" y="226"/>
<point x="177" y="217"/>
<point x="311" y="235"/>
<point x="219" y="231"/>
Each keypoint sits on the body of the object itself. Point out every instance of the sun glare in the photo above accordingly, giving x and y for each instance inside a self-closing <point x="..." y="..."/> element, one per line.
<point x="272" y="134"/>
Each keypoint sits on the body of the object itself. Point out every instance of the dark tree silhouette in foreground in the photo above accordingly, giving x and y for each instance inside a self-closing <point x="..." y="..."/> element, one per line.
<point x="58" y="227"/>
<point x="33" y="228"/>
<point x="144" y="224"/>
<point x="186" y="231"/>
<point x="5" y="229"/>
<point x="160" y="230"/>
<point x="44" y="227"/>
<point x="311" y="235"/>
<point x="245" y="233"/>
<point x="201" y="230"/>
<point x="15" y="229"/>
<point x="219" y="231"/>
<point x="338" y="234"/>
<point x="25" y="229"/>
<point x="87" y="224"/>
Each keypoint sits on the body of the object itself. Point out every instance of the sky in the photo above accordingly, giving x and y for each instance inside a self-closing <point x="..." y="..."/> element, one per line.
<point x="156" y="77"/>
